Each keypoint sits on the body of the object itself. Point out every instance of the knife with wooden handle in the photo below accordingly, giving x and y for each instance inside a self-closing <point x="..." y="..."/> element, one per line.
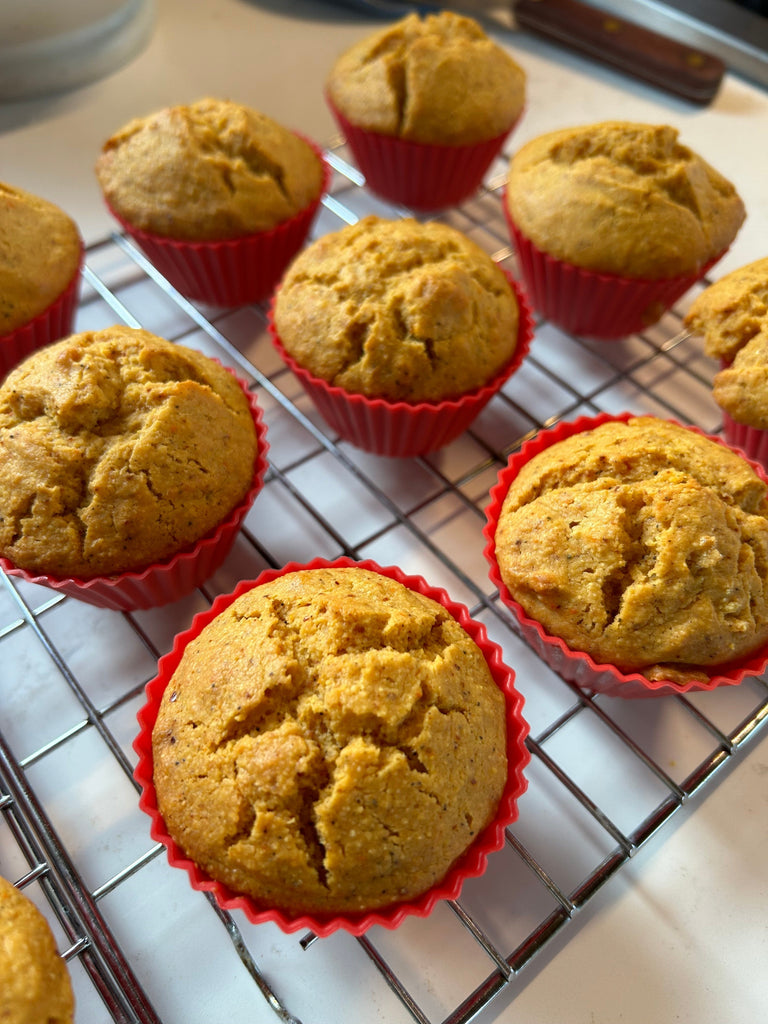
<point x="676" y="67"/>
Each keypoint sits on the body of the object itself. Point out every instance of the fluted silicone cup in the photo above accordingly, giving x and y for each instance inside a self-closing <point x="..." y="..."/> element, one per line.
<point x="578" y="666"/>
<point x="235" y="271"/>
<point x="405" y="429"/>
<point x="418" y="175"/>
<point x="606" y="307"/>
<point x="171" y="579"/>
<point x="471" y="864"/>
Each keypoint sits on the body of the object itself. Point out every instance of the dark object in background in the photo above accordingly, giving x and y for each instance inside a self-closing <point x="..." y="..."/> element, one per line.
<point x="681" y="69"/>
<point x="735" y="31"/>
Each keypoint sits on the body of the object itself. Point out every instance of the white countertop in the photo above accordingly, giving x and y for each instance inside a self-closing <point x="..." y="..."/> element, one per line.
<point x="681" y="934"/>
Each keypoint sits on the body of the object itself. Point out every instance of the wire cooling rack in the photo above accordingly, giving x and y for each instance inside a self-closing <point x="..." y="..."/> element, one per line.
<point x="140" y="944"/>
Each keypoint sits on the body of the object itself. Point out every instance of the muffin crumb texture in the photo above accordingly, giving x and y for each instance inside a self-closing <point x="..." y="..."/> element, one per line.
<point x="39" y="255"/>
<point x="118" y="449"/>
<point x="331" y="742"/>
<point x="208" y="171"/>
<point x="741" y="388"/>
<point x="34" y="982"/>
<point x="643" y="544"/>
<point x="731" y="316"/>
<point x="622" y="198"/>
<point x="730" y="312"/>
<point x="399" y="310"/>
<point x="437" y="80"/>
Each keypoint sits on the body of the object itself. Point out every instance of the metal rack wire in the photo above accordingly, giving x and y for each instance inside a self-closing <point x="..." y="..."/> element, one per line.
<point x="140" y="945"/>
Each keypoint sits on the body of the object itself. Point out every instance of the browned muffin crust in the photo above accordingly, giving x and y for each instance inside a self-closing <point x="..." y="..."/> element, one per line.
<point x="118" y="449"/>
<point x="39" y="255"/>
<point x="622" y="198"/>
<point x="438" y="79"/>
<point x="731" y="316"/>
<point x="741" y="388"/>
<point x="331" y="742"/>
<point x="207" y="171"/>
<point x="731" y="311"/>
<point x="398" y="310"/>
<point x="34" y="981"/>
<point x="643" y="544"/>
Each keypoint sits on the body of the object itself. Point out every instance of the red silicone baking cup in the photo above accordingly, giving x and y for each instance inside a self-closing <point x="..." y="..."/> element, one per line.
<point x="235" y="271"/>
<point x="53" y="323"/>
<point x="577" y="666"/>
<point x="405" y="429"/>
<point x="419" y="175"/>
<point x="471" y="864"/>
<point x="602" y="306"/>
<point x="172" y="579"/>
<point x="753" y="441"/>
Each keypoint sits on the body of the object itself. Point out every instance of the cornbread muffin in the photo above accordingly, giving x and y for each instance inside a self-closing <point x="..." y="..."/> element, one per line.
<point x="331" y="742"/>
<point x="730" y="312"/>
<point x="400" y="310"/>
<point x="34" y="982"/>
<point x="40" y="252"/>
<point x="211" y="170"/>
<point x="643" y="544"/>
<point x="439" y="79"/>
<point x="118" y="449"/>
<point x="731" y="316"/>
<point x="741" y="387"/>
<point x="622" y="198"/>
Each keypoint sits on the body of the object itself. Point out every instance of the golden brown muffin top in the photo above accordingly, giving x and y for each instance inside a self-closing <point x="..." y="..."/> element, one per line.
<point x="644" y="544"/>
<point x="118" y="449"/>
<point x="207" y="171"/>
<point x="332" y="741"/>
<point x="399" y="310"/>
<point x="40" y="250"/>
<point x="731" y="311"/>
<point x="741" y="388"/>
<point x="438" y="79"/>
<point x="34" y="982"/>
<point x="622" y="198"/>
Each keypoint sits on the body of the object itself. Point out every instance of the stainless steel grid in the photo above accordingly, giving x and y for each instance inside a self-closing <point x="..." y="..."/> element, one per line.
<point x="140" y="944"/>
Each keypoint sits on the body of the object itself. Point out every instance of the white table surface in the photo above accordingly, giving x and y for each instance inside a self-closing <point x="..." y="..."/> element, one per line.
<point x="680" y="935"/>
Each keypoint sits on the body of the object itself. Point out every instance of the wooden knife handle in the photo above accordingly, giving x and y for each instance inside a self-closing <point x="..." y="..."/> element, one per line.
<point x="680" y="69"/>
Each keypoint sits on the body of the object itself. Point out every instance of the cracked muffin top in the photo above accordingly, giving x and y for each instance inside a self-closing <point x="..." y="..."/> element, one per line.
<point x="208" y="171"/>
<point x="644" y="544"/>
<point x="731" y="311"/>
<point x="331" y="742"/>
<point x="39" y="255"/>
<point x="112" y="450"/>
<point x="401" y="310"/>
<point x="731" y="316"/>
<point x="438" y="79"/>
<point x="622" y="198"/>
<point x="34" y="981"/>
<point x="741" y="387"/>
